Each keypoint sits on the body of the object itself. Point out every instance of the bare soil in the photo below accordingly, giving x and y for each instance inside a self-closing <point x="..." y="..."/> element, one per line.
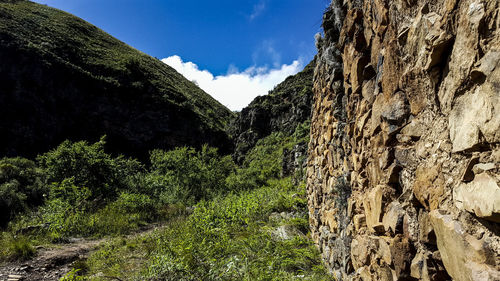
<point x="54" y="261"/>
<point x="50" y="263"/>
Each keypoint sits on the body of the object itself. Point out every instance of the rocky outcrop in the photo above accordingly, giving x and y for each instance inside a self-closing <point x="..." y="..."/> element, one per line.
<point x="63" y="78"/>
<point x="403" y="168"/>
<point x="282" y="110"/>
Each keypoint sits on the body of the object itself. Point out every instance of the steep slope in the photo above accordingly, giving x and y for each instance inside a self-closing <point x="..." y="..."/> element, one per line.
<point x="63" y="78"/>
<point x="282" y="110"/>
<point x="404" y="159"/>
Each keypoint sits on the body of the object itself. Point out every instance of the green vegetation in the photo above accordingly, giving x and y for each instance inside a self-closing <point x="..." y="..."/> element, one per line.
<point x="187" y="176"/>
<point x="284" y="108"/>
<point x="17" y="247"/>
<point x="221" y="222"/>
<point x="255" y="232"/>
<point x="299" y="85"/>
<point x="88" y="166"/>
<point x="21" y="187"/>
<point x="264" y="161"/>
<point x="90" y="193"/>
<point x="233" y="237"/>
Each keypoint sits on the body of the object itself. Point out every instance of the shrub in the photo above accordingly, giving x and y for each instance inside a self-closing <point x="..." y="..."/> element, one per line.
<point x="21" y="187"/>
<point x="75" y="196"/>
<point x="186" y="175"/>
<point x="135" y="203"/>
<point x="126" y="214"/>
<point x="21" y="248"/>
<point x="263" y="162"/>
<point x="64" y="216"/>
<point x="89" y="166"/>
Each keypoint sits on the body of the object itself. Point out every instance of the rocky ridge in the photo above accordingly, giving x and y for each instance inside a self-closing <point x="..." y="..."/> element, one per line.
<point x="281" y="110"/>
<point x="404" y="157"/>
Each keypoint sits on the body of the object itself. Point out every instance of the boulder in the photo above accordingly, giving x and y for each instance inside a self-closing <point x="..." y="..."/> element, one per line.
<point x="393" y="219"/>
<point x="475" y="118"/>
<point x="465" y="257"/>
<point x="286" y="232"/>
<point x="373" y="206"/>
<point x="480" y="196"/>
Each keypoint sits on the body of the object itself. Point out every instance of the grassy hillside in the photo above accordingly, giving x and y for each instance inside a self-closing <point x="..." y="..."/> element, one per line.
<point x="281" y="110"/>
<point x="62" y="77"/>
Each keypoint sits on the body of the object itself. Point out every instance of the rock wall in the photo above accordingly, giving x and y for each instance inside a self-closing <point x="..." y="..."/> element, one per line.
<point x="404" y="157"/>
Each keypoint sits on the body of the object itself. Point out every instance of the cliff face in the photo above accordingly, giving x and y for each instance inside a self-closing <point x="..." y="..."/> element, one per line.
<point x="63" y="78"/>
<point x="285" y="107"/>
<point x="404" y="157"/>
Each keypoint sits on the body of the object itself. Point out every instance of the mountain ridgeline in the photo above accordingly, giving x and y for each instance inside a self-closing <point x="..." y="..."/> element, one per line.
<point x="63" y="78"/>
<point x="287" y="106"/>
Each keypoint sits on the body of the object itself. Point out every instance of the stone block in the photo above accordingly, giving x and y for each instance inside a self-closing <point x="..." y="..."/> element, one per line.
<point x="464" y="257"/>
<point x="480" y="196"/>
<point x="393" y="219"/>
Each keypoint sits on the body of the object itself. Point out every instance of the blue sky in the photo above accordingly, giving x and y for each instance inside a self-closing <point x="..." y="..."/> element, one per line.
<point x="234" y="49"/>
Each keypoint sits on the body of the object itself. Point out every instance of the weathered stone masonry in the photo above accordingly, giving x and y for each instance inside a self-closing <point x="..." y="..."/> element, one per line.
<point x="404" y="158"/>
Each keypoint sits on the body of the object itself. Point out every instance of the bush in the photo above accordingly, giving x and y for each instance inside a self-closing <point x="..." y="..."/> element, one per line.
<point x="22" y="249"/>
<point x="186" y="175"/>
<point x="77" y="197"/>
<point x="94" y="194"/>
<point x="263" y="162"/>
<point x="89" y="166"/>
<point x="21" y="187"/>
<point x="60" y="219"/>
<point x="127" y="213"/>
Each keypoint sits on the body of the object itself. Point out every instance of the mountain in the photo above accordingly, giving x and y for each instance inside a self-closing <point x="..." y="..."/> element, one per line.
<point x="63" y="78"/>
<point x="282" y="110"/>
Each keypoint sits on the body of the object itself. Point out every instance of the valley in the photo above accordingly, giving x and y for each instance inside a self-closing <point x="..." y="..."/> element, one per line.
<point x="379" y="160"/>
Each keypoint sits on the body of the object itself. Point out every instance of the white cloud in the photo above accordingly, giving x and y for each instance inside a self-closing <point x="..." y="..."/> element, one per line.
<point x="257" y="10"/>
<point x="235" y="89"/>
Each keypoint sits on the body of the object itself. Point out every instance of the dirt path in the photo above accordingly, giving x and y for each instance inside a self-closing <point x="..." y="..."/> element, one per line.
<point x="49" y="263"/>
<point x="52" y="263"/>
